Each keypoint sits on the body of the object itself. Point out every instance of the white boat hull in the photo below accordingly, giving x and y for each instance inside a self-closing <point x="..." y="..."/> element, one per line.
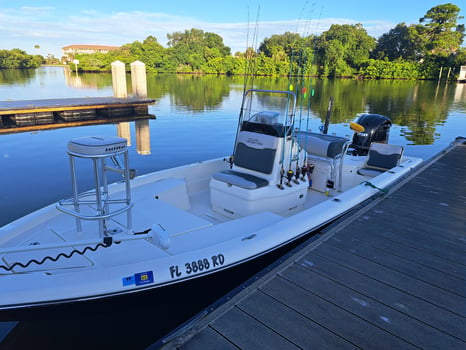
<point x="180" y="224"/>
<point x="140" y="264"/>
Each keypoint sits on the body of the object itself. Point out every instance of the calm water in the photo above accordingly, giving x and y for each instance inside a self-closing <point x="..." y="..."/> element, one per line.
<point x="196" y="120"/>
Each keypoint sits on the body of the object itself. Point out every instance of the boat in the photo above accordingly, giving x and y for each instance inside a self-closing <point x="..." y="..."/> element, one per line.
<point x="137" y="233"/>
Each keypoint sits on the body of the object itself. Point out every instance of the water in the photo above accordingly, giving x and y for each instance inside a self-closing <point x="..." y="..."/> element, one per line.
<point x="195" y="120"/>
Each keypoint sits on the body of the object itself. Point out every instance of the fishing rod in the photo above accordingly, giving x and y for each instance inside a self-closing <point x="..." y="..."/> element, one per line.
<point x="299" y="61"/>
<point x="248" y="73"/>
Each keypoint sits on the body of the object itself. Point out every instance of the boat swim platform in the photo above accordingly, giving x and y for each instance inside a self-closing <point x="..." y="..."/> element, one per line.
<point x="392" y="275"/>
<point x="31" y="115"/>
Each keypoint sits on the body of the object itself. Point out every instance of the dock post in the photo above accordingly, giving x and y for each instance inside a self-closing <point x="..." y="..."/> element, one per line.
<point x="139" y="83"/>
<point x="119" y="79"/>
<point x="119" y="90"/>
<point x="138" y="79"/>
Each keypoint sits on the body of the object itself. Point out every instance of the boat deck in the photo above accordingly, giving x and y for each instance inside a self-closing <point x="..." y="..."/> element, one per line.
<point x="393" y="275"/>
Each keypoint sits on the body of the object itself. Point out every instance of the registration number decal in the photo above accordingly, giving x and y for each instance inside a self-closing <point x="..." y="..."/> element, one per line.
<point x="195" y="266"/>
<point x="139" y="279"/>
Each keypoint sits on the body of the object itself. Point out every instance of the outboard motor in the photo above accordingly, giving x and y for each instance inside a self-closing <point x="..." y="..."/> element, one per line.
<point x="376" y="129"/>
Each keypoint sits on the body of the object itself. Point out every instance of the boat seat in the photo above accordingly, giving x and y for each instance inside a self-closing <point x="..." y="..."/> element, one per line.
<point x="322" y="145"/>
<point x="255" y="151"/>
<point x="254" y="155"/>
<point x="328" y="148"/>
<point x="243" y="180"/>
<point x="381" y="157"/>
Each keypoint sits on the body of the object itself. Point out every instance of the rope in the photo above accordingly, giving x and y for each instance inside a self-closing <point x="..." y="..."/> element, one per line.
<point x="367" y="183"/>
<point x="107" y="242"/>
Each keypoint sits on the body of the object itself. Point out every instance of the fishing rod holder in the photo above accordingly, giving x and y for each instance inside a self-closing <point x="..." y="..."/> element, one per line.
<point x="99" y="204"/>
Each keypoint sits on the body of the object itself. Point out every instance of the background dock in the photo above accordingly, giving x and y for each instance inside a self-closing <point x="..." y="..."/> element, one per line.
<point x="33" y="115"/>
<point x="392" y="276"/>
<point x="28" y="115"/>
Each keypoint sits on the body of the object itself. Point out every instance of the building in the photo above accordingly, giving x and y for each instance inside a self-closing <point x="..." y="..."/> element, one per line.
<point x="69" y="51"/>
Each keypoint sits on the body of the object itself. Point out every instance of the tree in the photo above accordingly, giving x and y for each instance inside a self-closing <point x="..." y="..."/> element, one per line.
<point x="442" y="33"/>
<point x="150" y="52"/>
<point x="192" y="49"/>
<point x="18" y="59"/>
<point x="288" y="42"/>
<point x="51" y="59"/>
<point x="400" y="42"/>
<point x="215" y="41"/>
<point x="343" y="48"/>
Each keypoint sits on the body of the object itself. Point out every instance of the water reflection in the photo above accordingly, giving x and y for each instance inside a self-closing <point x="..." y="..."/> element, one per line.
<point x="418" y="107"/>
<point x="16" y="76"/>
<point x="142" y="132"/>
<point x="89" y="81"/>
<point x="193" y="93"/>
<point x="143" y="137"/>
<point x="124" y="130"/>
<point x="460" y="92"/>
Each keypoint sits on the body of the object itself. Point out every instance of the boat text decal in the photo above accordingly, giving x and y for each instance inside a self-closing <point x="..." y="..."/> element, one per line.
<point x="200" y="265"/>
<point x="139" y="279"/>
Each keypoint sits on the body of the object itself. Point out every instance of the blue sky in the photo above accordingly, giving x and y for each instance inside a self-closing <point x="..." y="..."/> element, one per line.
<point x="52" y="24"/>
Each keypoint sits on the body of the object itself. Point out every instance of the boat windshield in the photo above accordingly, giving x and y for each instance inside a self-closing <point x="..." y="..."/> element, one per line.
<point x="266" y="118"/>
<point x="268" y="107"/>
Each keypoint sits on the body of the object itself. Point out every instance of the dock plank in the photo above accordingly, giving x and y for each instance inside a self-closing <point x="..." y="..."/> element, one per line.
<point x="299" y="329"/>
<point x="246" y="333"/>
<point x="415" y="255"/>
<point x="376" y="314"/>
<point x="421" y="223"/>
<point x="56" y="104"/>
<point x="366" y="250"/>
<point x="428" y="243"/>
<point x="342" y="322"/>
<point x="422" y="290"/>
<point x="209" y="339"/>
<point x="419" y="309"/>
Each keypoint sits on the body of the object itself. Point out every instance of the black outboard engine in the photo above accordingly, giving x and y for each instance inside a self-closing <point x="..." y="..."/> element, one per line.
<point x="376" y="129"/>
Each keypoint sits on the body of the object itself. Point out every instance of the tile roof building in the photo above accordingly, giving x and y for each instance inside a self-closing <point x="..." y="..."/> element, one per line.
<point x="69" y="51"/>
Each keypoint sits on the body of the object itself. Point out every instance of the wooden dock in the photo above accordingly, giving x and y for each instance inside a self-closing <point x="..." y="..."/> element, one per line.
<point x="391" y="276"/>
<point x="30" y="115"/>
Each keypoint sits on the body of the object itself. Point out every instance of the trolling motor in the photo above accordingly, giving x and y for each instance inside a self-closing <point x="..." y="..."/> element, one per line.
<point x="369" y="128"/>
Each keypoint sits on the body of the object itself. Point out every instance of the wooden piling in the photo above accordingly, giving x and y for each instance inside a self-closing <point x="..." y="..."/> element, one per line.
<point x="119" y="79"/>
<point x="138" y="79"/>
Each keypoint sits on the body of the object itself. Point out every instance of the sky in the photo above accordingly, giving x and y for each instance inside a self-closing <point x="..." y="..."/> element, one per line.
<point x="53" y="24"/>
